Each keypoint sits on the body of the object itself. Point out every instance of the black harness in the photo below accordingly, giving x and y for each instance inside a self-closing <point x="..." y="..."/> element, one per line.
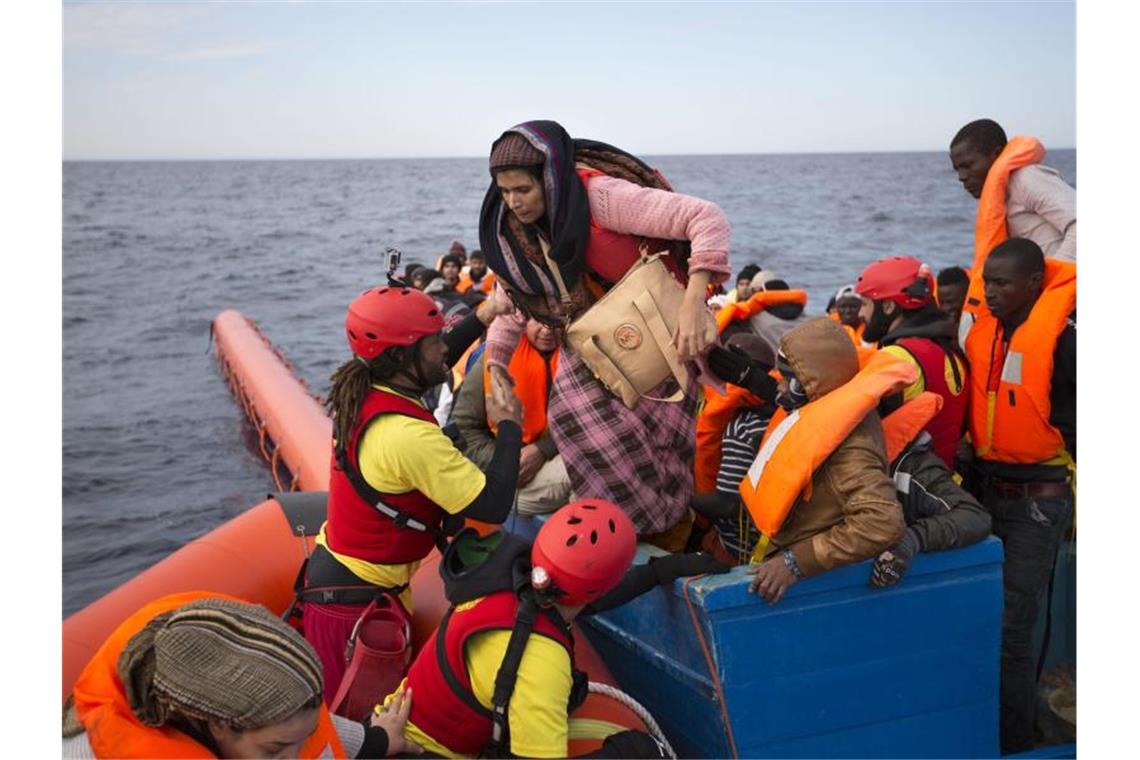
<point x="505" y="567"/>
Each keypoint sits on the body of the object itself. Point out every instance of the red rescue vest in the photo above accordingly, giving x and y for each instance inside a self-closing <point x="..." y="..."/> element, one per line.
<point x="449" y="713"/>
<point x="355" y="527"/>
<point x="946" y="427"/>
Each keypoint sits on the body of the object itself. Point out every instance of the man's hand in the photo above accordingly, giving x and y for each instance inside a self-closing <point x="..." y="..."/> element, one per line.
<point x="772" y="579"/>
<point x="890" y="566"/>
<point x="394" y="719"/>
<point x="503" y="404"/>
<point x="497" y="305"/>
<point x="531" y="460"/>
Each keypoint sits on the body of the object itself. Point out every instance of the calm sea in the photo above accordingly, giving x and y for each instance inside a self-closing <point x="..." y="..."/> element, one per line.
<point x="155" y="450"/>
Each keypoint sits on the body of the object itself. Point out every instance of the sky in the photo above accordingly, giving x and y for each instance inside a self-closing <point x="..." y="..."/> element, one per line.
<point x="203" y="80"/>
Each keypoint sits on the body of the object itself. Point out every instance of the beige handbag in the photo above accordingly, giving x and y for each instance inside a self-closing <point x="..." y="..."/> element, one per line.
<point x="626" y="338"/>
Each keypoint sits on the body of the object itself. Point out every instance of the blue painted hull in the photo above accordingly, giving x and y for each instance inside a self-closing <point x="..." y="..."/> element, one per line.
<point x="836" y="669"/>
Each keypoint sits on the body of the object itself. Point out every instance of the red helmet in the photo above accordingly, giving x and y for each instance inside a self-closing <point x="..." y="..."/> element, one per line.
<point x="902" y="279"/>
<point x="583" y="550"/>
<point x="384" y="317"/>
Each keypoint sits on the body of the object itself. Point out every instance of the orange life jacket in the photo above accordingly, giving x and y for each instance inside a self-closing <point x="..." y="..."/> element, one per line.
<point x="758" y="302"/>
<point x="1011" y="376"/>
<point x="485" y="285"/>
<point x="718" y="409"/>
<point x="112" y="728"/>
<point x="796" y="444"/>
<point x="533" y="381"/>
<point x="990" y="228"/>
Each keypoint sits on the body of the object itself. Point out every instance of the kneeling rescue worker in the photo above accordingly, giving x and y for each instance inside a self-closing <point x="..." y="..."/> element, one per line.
<point x="497" y="678"/>
<point x="397" y="482"/>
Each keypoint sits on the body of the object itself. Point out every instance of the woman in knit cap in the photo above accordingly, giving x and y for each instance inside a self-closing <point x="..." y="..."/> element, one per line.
<point x="592" y="205"/>
<point x="203" y="675"/>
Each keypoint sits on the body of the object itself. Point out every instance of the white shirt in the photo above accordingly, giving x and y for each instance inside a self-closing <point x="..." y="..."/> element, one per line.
<point x="1041" y="207"/>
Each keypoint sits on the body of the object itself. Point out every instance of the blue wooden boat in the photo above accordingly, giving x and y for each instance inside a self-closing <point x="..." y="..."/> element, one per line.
<point x="836" y="669"/>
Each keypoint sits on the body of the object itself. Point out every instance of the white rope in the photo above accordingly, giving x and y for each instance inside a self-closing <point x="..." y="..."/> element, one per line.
<point x="620" y="696"/>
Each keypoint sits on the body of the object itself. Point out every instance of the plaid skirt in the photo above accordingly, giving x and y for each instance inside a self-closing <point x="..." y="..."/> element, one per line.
<point x="640" y="459"/>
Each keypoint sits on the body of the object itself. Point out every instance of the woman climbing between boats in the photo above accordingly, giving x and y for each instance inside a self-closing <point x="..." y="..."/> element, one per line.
<point x="397" y="482"/>
<point x="206" y="675"/>
<point x="562" y="222"/>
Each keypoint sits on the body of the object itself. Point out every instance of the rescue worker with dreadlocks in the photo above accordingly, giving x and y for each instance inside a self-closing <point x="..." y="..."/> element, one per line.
<point x="900" y="314"/>
<point x="497" y="678"/>
<point x="196" y="674"/>
<point x="395" y="475"/>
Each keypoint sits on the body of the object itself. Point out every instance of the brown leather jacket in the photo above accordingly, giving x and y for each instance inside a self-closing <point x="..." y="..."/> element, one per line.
<point x="851" y="512"/>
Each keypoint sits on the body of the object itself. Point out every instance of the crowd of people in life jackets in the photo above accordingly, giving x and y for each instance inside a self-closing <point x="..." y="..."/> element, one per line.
<point x="934" y="411"/>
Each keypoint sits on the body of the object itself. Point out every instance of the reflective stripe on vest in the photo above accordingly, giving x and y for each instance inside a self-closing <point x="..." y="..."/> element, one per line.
<point x="112" y="728"/>
<point x="1010" y="382"/>
<point x="796" y="445"/>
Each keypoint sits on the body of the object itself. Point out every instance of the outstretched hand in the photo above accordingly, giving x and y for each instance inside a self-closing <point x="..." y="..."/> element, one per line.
<point x="393" y="718"/>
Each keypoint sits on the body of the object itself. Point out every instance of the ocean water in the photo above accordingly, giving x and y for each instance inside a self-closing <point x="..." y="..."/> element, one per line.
<point x="155" y="450"/>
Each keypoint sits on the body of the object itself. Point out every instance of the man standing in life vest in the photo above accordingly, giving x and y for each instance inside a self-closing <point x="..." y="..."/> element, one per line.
<point x="1022" y="353"/>
<point x="1017" y="196"/>
<point x="850" y="512"/>
<point x="543" y="483"/>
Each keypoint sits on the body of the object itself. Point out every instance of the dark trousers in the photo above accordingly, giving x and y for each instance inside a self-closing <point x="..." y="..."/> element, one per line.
<point x="1031" y="529"/>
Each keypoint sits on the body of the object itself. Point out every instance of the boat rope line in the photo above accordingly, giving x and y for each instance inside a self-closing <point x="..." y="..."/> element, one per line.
<point x="620" y="696"/>
<point x="711" y="666"/>
<point x="265" y="443"/>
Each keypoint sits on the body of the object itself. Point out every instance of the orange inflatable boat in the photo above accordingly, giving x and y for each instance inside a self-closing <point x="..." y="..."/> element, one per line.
<point x="255" y="556"/>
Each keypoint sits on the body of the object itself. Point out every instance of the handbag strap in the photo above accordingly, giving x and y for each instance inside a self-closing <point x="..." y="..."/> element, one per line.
<point x="563" y="291"/>
<point x="645" y="304"/>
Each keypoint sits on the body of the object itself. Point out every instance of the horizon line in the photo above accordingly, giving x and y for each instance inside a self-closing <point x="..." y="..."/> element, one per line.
<point x="451" y="158"/>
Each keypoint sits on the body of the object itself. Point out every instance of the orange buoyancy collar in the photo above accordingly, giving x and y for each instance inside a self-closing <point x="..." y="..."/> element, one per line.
<point x="990" y="227"/>
<point x="796" y="444"/>
<point x="758" y="302"/>
<point x="1011" y="376"/>
<point x="610" y="254"/>
<point x="112" y="728"/>
<point x="534" y="377"/>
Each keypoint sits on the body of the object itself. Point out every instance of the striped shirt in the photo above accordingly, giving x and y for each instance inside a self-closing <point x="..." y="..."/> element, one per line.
<point x="738" y="449"/>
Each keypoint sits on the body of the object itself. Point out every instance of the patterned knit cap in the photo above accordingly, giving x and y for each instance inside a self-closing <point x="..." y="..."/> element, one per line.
<point x="512" y="149"/>
<point x="215" y="658"/>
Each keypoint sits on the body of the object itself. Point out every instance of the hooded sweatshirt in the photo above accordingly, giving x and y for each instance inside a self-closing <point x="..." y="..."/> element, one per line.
<point x="851" y="512"/>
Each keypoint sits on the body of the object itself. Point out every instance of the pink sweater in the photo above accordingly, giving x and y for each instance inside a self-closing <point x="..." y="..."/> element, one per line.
<point x="622" y="206"/>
